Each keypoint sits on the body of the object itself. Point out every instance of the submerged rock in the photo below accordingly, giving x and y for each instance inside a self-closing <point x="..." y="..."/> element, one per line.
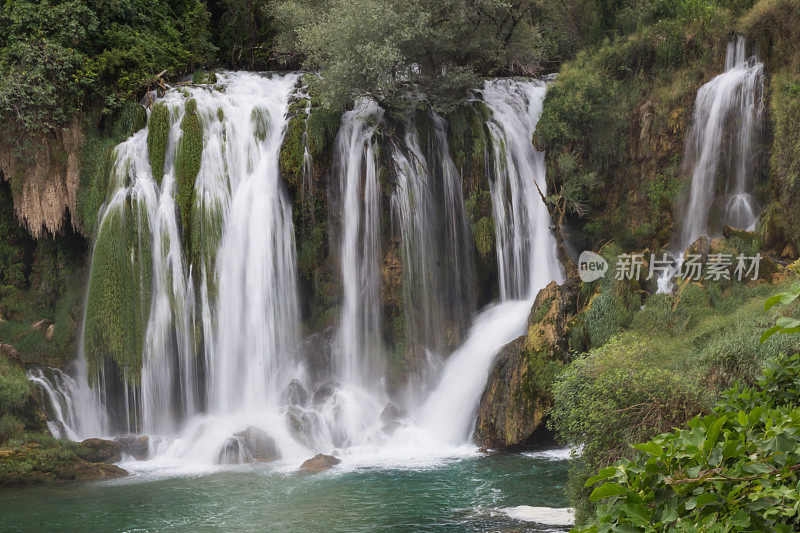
<point x="101" y="451"/>
<point x="295" y="394"/>
<point x="136" y="447"/>
<point x="319" y="463"/>
<point x="517" y="394"/>
<point x="252" y="445"/>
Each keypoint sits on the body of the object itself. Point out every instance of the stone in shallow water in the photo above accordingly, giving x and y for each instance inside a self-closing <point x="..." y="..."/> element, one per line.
<point x="252" y="445"/>
<point x="101" y="451"/>
<point x="319" y="463"/>
<point x="136" y="447"/>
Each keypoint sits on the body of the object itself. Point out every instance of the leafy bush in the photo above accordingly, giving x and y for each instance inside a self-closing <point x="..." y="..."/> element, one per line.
<point x="735" y="469"/>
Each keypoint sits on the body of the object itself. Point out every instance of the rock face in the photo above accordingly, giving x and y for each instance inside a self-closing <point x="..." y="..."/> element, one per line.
<point x="252" y="445"/>
<point x="517" y="394"/>
<point x="319" y="463"/>
<point x="102" y="451"/>
<point x="48" y="181"/>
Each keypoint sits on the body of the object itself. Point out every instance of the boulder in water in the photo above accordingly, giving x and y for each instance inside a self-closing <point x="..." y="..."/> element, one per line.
<point x="136" y="447"/>
<point x="303" y="425"/>
<point x="324" y="392"/>
<point x="101" y="451"/>
<point x="392" y="413"/>
<point x="295" y="394"/>
<point x="319" y="463"/>
<point x="252" y="445"/>
<point x="511" y="406"/>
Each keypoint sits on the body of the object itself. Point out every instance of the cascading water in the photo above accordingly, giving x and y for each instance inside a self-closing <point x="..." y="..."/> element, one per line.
<point x="221" y="363"/>
<point x="526" y="256"/>
<point x="428" y="209"/>
<point x="361" y="354"/>
<point x="526" y="247"/>
<point x="720" y="153"/>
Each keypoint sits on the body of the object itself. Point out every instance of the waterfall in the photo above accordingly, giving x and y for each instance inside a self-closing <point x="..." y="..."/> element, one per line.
<point x="526" y="247"/>
<point x="213" y="284"/>
<point x="361" y="354"/>
<point x="720" y="148"/>
<point x="526" y="256"/>
<point x="438" y="270"/>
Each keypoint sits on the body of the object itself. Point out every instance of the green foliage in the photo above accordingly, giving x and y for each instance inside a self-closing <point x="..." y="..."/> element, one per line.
<point x="57" y="55"/>
<point x="784" y="325"/>
<point x="157" y="137"/>
<point x="392" y="51"/>
<point x="260" y="119"/>
<point x="678" y="352"/>
<point x="98" y="156"/>
<point x="785" y="152"/>
<point x="613" y="305"/>
<point x="15" y="388"/>
<point x="293" y="150"/>
<point x="118" y="305"/>
<point x="735" y="469"/>
<point x="13" y="243"/>
<point x="187" y="165"/>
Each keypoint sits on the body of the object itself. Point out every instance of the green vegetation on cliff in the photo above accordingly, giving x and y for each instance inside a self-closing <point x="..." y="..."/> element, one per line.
<point x="187" y="165"/>
<point x="118" y="305"/>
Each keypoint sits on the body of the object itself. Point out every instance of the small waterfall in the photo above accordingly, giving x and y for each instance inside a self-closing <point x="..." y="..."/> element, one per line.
<point x="361" y="352"/>
<point x="438" y="270"/>
<point x="720" y="154"/>
<point x="73" y="411"/>
<point x="526" y="254"/>
<point x="526" y="247"/>
<point x="719" y="147"/>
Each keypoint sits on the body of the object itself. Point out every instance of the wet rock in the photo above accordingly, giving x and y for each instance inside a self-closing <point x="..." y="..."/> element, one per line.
<point x="324" y="392"/>
<point x="252" y="445"/>
<point x="303" y="425"/>
<point x="390" y="427"/>
<point x="319" y="463"/>
<point x="316" y="351"/>
<point x="392" y="413"/>
<point x="295" y="394"/>
<point x="10" y="352"/>
<point x="101" y="451"/>
<point x="136" y="447"/>
<point x="513" y="403"/>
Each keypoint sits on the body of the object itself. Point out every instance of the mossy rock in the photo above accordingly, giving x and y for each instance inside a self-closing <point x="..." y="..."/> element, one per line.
<point x="157" y="138"/>
<point x="118" y="305"/>
<point x="187" y="165"/>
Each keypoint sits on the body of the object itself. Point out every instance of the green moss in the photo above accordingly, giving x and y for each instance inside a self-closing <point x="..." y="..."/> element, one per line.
<point x="157" y="137"/>
<point x="203" y="76"/>
<point x="260" y="119"/>
<point x="118" y="304"/>
<point x="14" y="386"/>
<point x="187" y="166"/>
<point x="483" y="233"/>
<point x="293" y="151"/>
<point x="323" y="124"/>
